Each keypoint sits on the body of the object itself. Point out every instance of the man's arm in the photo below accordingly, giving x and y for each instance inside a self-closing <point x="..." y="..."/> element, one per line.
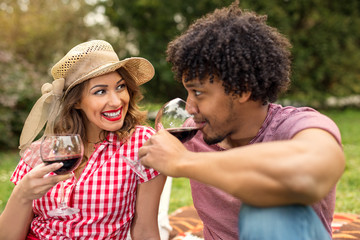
<point x="301" y="170"/>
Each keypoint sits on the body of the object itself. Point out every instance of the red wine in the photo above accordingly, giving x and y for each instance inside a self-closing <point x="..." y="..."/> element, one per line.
<point x="184" y="133"/>
<point x="70" y="163"/>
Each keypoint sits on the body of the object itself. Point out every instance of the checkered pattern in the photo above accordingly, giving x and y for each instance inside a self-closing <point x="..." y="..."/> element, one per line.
<point x="105" y="193"/>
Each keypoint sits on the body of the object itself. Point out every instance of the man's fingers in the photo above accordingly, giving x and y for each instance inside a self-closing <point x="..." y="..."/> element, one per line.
<point x="148" y="142"/>
<point x="142" y="151"/>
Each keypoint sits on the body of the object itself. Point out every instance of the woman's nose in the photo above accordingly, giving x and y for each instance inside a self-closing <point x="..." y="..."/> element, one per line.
<point x="114" y="99"/>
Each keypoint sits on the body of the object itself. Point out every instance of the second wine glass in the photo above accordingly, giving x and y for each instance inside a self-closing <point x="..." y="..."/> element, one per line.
<point x="69" y="150"/>
<point x="173" y="117"/>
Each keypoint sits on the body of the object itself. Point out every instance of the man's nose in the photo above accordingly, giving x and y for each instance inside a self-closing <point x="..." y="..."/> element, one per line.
<point x="191" y="106"/>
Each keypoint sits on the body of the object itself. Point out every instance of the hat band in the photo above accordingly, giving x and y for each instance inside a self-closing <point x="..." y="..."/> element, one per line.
<point x="44" y="110"/>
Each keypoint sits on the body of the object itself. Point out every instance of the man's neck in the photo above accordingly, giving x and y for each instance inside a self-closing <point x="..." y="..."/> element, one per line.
<point x="249" y="129"/>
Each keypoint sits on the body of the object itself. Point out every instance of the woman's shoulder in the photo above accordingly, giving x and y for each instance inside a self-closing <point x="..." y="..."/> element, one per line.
<point x="140" y="135"/>
<point x="142" y="131"/>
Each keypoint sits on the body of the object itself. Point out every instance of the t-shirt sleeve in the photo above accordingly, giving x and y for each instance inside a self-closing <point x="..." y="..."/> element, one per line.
<point x="302" y="120"/>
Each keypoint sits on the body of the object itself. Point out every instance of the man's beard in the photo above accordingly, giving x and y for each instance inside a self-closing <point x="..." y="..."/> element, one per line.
<point x="215" y="140"/>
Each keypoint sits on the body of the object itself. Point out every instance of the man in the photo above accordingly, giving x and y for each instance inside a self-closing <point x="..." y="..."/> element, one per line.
<point x="277" y="165"/>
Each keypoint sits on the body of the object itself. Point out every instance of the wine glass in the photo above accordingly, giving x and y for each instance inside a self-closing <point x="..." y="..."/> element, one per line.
<point x="69" y="150"/>
<point x="172" y="117"/>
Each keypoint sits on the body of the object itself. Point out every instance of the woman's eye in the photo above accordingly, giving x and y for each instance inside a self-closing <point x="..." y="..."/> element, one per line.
<point x="121" y="86"/>
<point x="99" y="92"/>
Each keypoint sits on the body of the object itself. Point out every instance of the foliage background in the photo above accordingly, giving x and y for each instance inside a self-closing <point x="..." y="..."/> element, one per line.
<point x="325" y="35"/>
<point x="37" y="33"/>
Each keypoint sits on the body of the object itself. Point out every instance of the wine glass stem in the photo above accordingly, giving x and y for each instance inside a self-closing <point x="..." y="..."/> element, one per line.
<point x="63" y="205"/>
<point x="62" y="196"/>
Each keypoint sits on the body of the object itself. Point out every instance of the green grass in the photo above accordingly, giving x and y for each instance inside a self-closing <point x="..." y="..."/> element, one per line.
<point x="348" y="194"/>
<point x="8" y="161"/>
<point x="180" y="194"/>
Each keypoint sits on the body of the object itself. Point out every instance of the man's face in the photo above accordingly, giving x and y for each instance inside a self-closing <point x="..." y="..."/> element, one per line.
<point x="212" y="108"/>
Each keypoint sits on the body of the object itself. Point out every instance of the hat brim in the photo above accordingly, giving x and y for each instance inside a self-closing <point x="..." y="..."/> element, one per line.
<point x="139" y="68"/>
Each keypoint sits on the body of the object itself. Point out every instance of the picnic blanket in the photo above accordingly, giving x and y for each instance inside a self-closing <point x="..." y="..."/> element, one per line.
<point x="346" y="226"/>
<point x="186" y="225"/>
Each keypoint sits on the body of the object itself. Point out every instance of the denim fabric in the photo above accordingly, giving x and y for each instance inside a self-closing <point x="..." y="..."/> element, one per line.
<point x="294" y="222"/>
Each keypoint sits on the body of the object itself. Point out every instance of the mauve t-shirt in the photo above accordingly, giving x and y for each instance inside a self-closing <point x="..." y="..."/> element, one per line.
<point x="219" y="210"/>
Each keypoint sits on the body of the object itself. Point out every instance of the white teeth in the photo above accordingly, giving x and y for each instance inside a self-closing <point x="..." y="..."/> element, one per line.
<point x="113" y="114"/>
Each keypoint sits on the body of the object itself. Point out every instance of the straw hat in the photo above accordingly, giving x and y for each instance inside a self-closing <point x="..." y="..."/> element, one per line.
<point x="83" y="62"/>
<point x="94" y="58"/>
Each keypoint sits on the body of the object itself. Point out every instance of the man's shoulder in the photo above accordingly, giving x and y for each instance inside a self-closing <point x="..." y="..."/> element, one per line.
<point x="280" y="115"/>
<point x="285" y="122"/>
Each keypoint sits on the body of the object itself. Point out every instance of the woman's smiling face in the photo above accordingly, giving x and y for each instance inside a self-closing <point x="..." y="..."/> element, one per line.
<point x="104" y="102"/>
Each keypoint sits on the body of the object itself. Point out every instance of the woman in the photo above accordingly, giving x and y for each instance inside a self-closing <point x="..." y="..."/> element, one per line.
<point x="94" y="95"/>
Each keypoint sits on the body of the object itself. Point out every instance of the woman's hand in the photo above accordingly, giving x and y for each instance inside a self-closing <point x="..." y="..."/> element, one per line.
<point x="37" y="182"/>
<point x="16" y="218"/>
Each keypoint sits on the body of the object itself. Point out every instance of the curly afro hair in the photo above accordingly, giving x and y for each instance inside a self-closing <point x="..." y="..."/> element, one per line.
<point x="238" y="47"/>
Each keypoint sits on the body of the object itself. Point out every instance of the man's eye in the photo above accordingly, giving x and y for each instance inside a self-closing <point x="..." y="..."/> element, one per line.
<point x="197" y="93"/>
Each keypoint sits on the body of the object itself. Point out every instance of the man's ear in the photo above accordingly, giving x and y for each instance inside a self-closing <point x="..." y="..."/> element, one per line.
<point x="244" y="97"/>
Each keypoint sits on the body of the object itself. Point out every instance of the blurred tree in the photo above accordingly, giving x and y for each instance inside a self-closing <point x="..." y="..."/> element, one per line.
<point x="326" y="45"/>
<point x="149" y="26"/>
<point x="41" y="30"/>
<point x="325" y="37"/>
<point x="15" y="96"/>
<point x="34" y="35"/>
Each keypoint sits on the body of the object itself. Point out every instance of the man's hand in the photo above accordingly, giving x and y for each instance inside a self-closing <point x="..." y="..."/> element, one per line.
<point x="163" y="152"/>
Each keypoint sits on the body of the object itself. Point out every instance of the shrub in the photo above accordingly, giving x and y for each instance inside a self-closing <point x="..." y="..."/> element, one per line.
<point x="19" y="88"/>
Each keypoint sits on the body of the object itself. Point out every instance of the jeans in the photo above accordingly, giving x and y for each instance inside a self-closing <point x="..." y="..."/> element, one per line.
<point x="293" y="222"/>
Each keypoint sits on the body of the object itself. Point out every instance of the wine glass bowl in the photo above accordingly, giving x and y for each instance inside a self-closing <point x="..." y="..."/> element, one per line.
<point x="172" y="114"/>
<point x="173" y="117"/>
<point x="69" y="150"/>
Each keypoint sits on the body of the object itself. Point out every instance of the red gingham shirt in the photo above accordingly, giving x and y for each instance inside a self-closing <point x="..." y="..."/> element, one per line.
<point x="105" y="193"/>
